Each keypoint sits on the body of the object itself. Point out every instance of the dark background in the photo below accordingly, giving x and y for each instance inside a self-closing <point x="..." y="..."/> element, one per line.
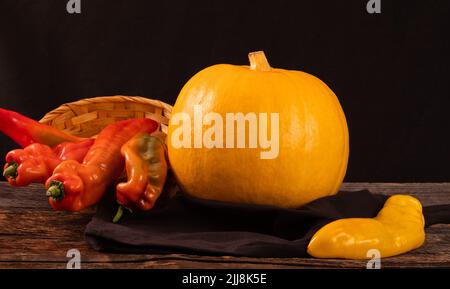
<point x="389" y="70"/>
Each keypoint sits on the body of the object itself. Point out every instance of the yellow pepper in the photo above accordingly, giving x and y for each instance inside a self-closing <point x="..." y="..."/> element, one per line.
<point x="398" y="228"/>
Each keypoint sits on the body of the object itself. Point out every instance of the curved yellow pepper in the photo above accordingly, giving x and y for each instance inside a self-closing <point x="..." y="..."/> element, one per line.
<point x="398" y="228"/>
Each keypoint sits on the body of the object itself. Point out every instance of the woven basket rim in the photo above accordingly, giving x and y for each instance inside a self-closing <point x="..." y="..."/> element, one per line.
<point x="167" y="108"/>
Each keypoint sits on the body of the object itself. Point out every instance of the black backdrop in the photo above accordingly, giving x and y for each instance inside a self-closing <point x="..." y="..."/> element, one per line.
<point x="389" y="70"/>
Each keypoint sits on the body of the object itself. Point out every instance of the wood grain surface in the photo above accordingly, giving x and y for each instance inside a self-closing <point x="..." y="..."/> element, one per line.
<point x="32" y="235"/>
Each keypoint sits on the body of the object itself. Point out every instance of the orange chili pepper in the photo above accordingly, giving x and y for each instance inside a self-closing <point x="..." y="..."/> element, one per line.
<point x="146" y="166"/>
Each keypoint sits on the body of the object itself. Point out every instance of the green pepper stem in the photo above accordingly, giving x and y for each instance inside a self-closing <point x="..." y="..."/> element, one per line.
<point x="55" y="190"/>
<point x="119" y="214"/>
<point x="11" y="170"/>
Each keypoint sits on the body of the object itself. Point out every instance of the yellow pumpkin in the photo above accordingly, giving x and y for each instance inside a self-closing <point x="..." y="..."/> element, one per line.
<point x="313" y="144"/>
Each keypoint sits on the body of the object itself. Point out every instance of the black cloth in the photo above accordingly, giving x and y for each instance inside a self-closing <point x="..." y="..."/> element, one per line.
<point x="188" y="225"/>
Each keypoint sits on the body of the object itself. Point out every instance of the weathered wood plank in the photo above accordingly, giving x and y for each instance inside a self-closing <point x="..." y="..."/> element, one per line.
<point x="427" y="193"/>
<point x="32" y="235"/>
<point x="33" y="196"/>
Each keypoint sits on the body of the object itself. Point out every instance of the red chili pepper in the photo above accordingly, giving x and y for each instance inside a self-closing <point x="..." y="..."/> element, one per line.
<point x="74" y="186"/>
<point x="146" y="166"/>
<point x="35" y="163"/>
<point x="25" y="131"/>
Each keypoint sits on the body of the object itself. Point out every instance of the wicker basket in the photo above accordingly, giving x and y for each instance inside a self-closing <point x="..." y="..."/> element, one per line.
<point x="87" y="117"/>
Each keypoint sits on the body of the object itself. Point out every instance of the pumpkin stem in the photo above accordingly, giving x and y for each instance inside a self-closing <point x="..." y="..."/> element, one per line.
<point x="258" y="61"/>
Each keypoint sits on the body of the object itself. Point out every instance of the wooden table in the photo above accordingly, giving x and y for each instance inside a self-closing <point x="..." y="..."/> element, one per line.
<point x="32" y="235"/>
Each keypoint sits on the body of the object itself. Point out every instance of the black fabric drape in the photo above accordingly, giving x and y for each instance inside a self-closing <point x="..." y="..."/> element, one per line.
<point x="189" y="225"/>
